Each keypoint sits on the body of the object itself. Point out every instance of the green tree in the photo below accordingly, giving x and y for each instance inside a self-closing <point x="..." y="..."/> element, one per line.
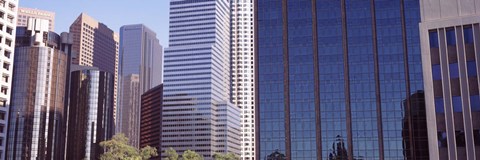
<point x="191" y="155"/>
<point x="228" y="156"/>
<point x="171" y="154"/>
<point x="118" y="149"/>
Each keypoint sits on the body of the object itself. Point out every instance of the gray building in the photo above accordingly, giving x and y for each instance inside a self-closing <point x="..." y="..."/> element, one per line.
<point x="141" y="69"/>
<point x="197" y="112"/>
<point x="90" y="112"/>
<point x="450" y="38"/>
<point x="37" y="117"/>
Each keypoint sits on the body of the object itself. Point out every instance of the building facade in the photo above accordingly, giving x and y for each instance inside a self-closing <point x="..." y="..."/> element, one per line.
<point x="37" y="117"/>
<point x="140" y="54"/>
<point x="8" y="18"/>
<point x="151" y="119"/>
<point x="26" y="13"/>
<point x="450" y="51"/>
<point x="94" y="44"/>
<point x="90" y="113"/>
<point x="243" y="75"/>
<point x="197" y="111"/>
<point x="335" y="73"/>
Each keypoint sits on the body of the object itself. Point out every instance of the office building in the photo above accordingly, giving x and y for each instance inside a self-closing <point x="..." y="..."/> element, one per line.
<point x="26" y="13"/>
<point x="90" y="112"/>
<point x="243" y="75"/>
<point x="450" y="43"/>
<point x="197" y="110"/>
<point x="335" y="73"/>
<point x="415" y="129"/>
<point x="94" y="44"/>
<point x="151" y="119"/>
<point x="8" y="17"/>
<point x="140" y="55"/>
<point x="37" y="112"/>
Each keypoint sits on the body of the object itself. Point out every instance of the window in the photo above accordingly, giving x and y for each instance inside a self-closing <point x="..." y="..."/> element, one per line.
<point x="442" y="139"/>
<point x="2" y="115"/>
<point x="453" y="69"/>
<point x="476" y="137"/>
<point x="457" y="103"/>
<point x="9" y="30"/>
<point x="460" y="138"/>
<point x="475" y="103"/>
<point x="6" y="66"/>
<point x="7" y="54"/>
<point x="436" y="72"/>
<point x="433" y="36"/>
<point x="468" y="34"/>
<point x="439" y="105"/>
<point x="5" y="78"/>
<point x="471" y="68"/>
<point x="4" y="90"/>
<point x="451" y="37"/>
<point x="2" y="128"/>
<point x="8" y="42"/>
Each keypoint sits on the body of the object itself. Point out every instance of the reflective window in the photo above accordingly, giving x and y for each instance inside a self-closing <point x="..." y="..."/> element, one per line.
<point x="436" y="72"/>
<point x="457" y="103"/>
<point x="460" y="138"/>
<point x="439" y="105"/>
<point x="468" y="34"/>
<point x="475" y="103"/>
<point x="433" y="36"/>
<point x="471" y="68"/>
<point x="450" y="35"/>
<point x="453" y="69"/>
<point x="442" y="139"/>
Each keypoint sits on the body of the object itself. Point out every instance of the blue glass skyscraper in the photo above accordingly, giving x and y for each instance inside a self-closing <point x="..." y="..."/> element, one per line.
<point x="334" y="79"/>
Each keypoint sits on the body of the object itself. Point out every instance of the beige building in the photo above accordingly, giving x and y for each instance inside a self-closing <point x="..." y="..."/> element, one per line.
<point x="25" y="13"/>
<point x="94" y="44"/>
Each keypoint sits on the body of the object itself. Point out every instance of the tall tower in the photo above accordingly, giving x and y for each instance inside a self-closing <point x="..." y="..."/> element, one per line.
<point x="243" y="75"/>
<point x="37" y="117"/>
<point x="450" y="42"/>
<point x="94" y="44"/>
<point x="197" y="111"/>
<point x="8" y="19"/>
<point x="335" y="70"/>
<point x="141" y="67"/>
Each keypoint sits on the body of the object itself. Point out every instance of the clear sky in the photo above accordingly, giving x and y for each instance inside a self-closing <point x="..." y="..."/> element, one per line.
<point x="113" y="13"/>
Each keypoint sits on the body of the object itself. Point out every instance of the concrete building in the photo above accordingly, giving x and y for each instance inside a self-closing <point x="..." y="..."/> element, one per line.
<point x="141" y="58"/>
<point x="332" y="77"/>
<point x="90" y="113"/>
<point x="197" y="111"/>
<point x="94" y="44"/>
<point x="8" y="18"/>
<point x="37" y="117"/>
<point x="25" y="13"/>
<point x="151" y="119"/>
<point x="450" y="56"/>
<point x="243" y="75"/>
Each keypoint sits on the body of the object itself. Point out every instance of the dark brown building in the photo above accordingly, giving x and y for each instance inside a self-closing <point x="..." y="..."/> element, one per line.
<point x="151" y="118"/>
<point x="415" y="132"/>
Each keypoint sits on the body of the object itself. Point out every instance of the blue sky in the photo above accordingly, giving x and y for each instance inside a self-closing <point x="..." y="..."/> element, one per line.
<point x="113" y="13"/>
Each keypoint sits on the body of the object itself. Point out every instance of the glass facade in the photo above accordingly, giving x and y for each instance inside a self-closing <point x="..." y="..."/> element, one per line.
<point x="151" y="119"/>
<point x="90" y="113"/>
<point x="335" y="79"/>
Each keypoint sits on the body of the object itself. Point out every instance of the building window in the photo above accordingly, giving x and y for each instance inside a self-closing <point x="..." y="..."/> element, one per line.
<point x="4" y="90"/>
<point x="457" y="103"/>
<point x="436" y="72"/>
<point x="475" y="103"/>
<point x="6" y="53"/>
<point x="468" y="34"/>
<point x="439" y="105"/>
<point x="6" y="66"/>
<point x="476" y="137"/>
<point x="433" y="36"/>
<point x="9" y="30"/>
<point x="453" y="69"/>
<point x="2" y="115"/>
<point x="451" y="41"/>
<point x="460" y="138"/>
<point x="5" y="78"/>
<point x="442" y="139"/>
<point x="471" y="68"/>
<point x="8" y="42"/>
<point x="2" y="128"/>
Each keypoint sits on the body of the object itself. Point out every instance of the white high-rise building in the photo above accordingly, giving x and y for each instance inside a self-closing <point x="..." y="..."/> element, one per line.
<point x="141" y="68"/>
<point x="243" y="71"/>
<point x="8" y="23"/>
<point x="197" y="111"/>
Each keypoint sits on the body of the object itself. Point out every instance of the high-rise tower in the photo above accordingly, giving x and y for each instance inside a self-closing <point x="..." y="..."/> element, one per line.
<point x="141" y="69"/>
<point x="243" y="74"/>
<point x="197" y="110"/>
<point x="335" y="72"/>
<point x="450" y="39"/>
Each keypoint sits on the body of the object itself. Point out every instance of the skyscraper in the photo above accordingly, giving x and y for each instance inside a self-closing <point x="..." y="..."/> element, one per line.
<point x="151" y="119"/>
<point x="197" y="111"/>
<point x="243" y="91"/>
<point x="450" y="50"/>
<point x="141" y="61"/>
<point x="25" y="13"/>
<point x="37" y="119"/>
<point x="8" y="17"/>
<point x="94" y="44"/>
<point x="333" y="71"/>
<point x="90" y="112"/>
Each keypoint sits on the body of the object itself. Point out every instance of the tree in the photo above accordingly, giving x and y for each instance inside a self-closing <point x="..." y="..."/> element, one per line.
<point x="171" y="154"/>
<point x="191" y="155"/>
<point x="118" y="149"/>
<point x="228" y="156"/>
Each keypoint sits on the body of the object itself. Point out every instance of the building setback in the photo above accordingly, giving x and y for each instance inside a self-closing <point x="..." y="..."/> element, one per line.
<point x="90" y="112"/>
<point x="141" y="57"/>
<point x="26" y="13"/>
<point x="8" y="18"/>
<point x="37" y="117"/>
<point x="243" y="89"/>
<point x="197" y="111"/>
<point x="151" y="119"/>
<point x="450" y="43"/>
<point x="94" y="44"/>
<point x="335" y="73"/>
